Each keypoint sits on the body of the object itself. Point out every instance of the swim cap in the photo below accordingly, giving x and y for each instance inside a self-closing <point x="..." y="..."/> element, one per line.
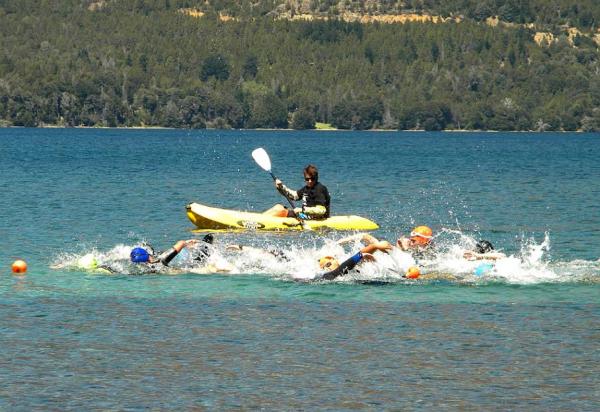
<point x="328" y="263"/>
<point x="484" y="246"/>
<point x="139" y="255"/>
<point x="208" y="238"/>
<point x="421" y="235"/>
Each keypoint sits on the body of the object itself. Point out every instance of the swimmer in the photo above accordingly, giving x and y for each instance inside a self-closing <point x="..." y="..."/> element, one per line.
<point x="277" y="253"/>
<point x="399" y="261"/>
<point x="334" y="268"/>
<point x="484" y="250"/>
<point x="145" y="254"/>
<point x="152" y="262"/>
<point x="419" y="240"/>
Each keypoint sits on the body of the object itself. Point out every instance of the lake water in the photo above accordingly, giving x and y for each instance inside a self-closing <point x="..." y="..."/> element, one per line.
<point x="523" y="336"/>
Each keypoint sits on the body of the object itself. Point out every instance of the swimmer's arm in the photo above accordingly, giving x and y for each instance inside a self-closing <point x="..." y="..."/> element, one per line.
<point x="240" y="248"/>
<point x="170" y="254"/>
<point x="364" y="254"/>
<point x="272" y="252"/>
<point x="383" y="246"/>
<point x="363" y="237"/>
<point x="471" y="255"/>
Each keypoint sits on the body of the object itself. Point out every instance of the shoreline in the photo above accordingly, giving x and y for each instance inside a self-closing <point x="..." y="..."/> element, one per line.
<point x="295" y="130"/>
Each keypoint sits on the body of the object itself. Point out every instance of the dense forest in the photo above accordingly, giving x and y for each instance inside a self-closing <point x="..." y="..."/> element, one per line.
<point x="241" y="65"/>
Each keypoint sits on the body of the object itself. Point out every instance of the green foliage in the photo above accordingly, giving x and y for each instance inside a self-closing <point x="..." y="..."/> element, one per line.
<point x="250" y="67"/>
<point x="215" y="65"/>
<point x="265" y="108"/>
<point x="303" y="119"/>
<point x="143" y="62"/>
<point x="358" y="114"/>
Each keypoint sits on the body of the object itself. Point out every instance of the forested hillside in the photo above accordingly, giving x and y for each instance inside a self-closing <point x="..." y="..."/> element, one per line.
<point x="187" y="63"/>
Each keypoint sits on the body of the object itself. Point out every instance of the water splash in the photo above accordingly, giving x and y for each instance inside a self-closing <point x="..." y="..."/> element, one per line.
<point x="297" y="259"/>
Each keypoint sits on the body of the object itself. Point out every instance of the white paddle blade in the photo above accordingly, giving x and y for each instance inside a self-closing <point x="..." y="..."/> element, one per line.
<point x="261" y="157"/>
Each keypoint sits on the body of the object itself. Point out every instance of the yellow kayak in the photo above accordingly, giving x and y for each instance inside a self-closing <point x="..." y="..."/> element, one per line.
<point x="212" y="218"/>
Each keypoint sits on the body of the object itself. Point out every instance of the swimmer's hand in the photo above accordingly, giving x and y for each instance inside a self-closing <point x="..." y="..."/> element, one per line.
<point x="404" y="243"/>
<point x="470" y="255"/>
<point x="367" y="257"/>
<point x="382" y="245"/>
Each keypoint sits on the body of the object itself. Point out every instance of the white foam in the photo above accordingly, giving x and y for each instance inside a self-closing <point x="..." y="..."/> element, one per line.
<point x="530" y="265"/>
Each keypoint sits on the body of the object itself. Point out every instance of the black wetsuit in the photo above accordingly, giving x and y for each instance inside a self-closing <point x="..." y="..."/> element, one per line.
<point x="167" y="256"/>
<point x="318" y="195"/>
<point x="344" y="268"/>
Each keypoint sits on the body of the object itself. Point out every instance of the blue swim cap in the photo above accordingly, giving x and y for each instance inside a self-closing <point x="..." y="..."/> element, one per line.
<point x="483" y="268"/>
<point x="139" y="255"/>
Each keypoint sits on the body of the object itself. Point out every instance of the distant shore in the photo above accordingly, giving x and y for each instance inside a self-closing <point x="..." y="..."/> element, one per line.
<point x="317" y="129"/>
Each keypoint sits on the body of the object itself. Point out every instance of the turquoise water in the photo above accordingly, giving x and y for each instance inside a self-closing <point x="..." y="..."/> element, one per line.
<point x="524" y="336"/>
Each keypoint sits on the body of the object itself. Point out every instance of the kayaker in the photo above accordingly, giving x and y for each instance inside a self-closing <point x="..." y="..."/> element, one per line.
<point x="335" y="269"/>
<point x="314" y="195"/>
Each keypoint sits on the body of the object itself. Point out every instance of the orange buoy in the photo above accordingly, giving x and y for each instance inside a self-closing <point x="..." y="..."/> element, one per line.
<point x="413" y="272"/>
<point x="19" y="266"/>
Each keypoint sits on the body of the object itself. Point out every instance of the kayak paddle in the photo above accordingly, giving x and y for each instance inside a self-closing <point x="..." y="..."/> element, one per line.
<point x="261" y="157"/>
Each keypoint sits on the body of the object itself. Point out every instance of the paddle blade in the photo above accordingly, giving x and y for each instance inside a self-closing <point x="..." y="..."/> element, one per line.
<point x="261" y="157"/>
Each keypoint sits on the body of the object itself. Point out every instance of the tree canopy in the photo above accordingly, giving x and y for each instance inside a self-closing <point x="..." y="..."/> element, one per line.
<point x="145" y="62"/>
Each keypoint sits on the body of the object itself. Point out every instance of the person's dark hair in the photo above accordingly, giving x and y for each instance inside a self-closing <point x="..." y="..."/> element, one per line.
<point x="208" y="238"/>
<point x="484" y="246"/>
<point x="312" y="171"/>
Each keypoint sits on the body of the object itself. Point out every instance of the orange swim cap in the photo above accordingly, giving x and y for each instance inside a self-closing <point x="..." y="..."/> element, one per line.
<point x="421" y="235"/>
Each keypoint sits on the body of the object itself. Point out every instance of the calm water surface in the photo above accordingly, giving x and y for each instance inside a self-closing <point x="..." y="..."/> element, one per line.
<point x="524" y="339"/>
